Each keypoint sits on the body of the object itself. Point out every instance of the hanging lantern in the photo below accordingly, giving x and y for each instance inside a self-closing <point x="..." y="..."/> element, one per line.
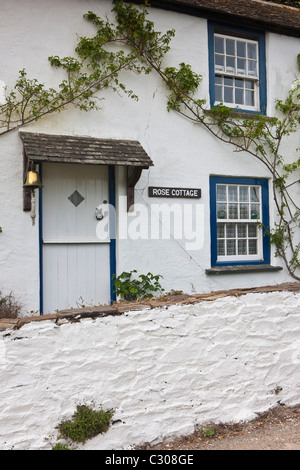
<point x="32" y="182"/>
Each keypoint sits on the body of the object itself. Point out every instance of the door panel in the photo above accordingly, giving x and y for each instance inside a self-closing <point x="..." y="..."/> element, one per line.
<point x="76" y="264"/>
<point x="75" y="275"/>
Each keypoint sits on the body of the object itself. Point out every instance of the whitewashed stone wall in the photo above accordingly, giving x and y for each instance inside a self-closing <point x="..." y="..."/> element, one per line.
<point x="163" y="370"/>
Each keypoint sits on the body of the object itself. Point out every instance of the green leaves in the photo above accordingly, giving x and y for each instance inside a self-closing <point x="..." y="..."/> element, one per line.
<point x="139" y="33"/>
<point x="124" y="46"/>
<point x="183" y="83"/>
<point x="132" y="288"/>
<point x="85" y="424"/>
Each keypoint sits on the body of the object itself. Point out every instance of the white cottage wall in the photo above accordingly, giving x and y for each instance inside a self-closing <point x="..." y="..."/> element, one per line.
<point x="183" y="155"/>
<point x="163" y="370"/>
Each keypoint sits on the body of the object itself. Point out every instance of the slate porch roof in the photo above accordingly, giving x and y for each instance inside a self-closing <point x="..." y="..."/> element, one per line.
<point x="87" y="150"/>
<point x="260" y="14"/>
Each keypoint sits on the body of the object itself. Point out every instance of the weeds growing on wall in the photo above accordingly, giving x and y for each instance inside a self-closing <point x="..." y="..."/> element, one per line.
<point x="9" y="306"/>
<point x="85" y="424"/>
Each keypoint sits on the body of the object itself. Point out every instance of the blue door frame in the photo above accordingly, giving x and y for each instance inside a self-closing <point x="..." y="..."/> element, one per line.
<point x="112" y="252"/>
<point x="41" y="242"/>
<point x="112" y="225"/>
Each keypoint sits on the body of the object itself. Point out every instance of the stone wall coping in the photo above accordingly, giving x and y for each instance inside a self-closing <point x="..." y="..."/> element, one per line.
<point x="120" y="307"/>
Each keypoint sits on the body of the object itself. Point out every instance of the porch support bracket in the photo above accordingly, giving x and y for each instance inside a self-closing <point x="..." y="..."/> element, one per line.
<point x="133" y="176"/>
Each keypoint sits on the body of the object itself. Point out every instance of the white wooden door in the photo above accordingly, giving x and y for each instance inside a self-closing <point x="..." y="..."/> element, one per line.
<point x="76" y="264"/>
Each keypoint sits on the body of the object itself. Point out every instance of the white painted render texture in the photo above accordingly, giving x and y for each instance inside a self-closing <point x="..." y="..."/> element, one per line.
<point x="184" y="155"/>
<point x="162" y="370"/>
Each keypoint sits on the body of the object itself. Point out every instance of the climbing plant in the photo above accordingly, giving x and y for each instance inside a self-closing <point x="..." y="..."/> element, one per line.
<point x="131" y="44"/>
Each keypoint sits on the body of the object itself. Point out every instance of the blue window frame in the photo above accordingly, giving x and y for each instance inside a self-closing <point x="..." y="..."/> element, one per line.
<point x="239" y="216"/>
<point x="237" y="68"/>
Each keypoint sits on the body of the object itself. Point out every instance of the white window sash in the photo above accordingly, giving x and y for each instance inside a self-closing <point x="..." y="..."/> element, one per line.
<point x="221" y="71"/>
<point x="257" y="257"/>
<point x="247" y="221"/>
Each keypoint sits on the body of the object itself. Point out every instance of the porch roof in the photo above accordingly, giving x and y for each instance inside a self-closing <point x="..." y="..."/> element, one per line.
<point x="84" y="150"/>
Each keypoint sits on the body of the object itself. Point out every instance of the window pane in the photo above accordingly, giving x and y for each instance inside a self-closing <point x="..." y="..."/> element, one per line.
<point x="239" y="83"/>
<point x="252" y="72"/>
<point x="251" y="49"/>
<point x="230" y="230"/>
<point x="241" y="49"/>
<point x="233" y="211"/>
<point x="231" y="247"/>
<point x="218" y="80"/>
<point x="220" y="230"/>
<point x="254" y="194"/>
<point x="242" y="230"/>
<point x="221" y="247"/>
<point x="228" y="81"/>
<point x="219" y="62"/>
<point x="252" y="230"/>
<point x="243" y="190"/>
<point x="252" y="244"/>
<point x="219" y="45"/>
<point x="242" y="247"/>
<point x="218" y="93"/>
<point x="221" y="192"/>
<point x="254" y="211"/>
<point x="228" y="95"/>
<point x="230" y="64"/>
<point x="241" y="66"/>
<point x="230" y="47"/>
<point x="239" y="96"/>
<point x="249" y="84"/>
<point x="249" y="98"/>
<point x="232" y="193"/>
<point x="221" y="211"/>
<point x="244" y="211"/>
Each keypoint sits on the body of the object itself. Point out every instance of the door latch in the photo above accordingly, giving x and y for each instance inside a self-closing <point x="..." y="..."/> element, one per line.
<point x="99" y="213"/>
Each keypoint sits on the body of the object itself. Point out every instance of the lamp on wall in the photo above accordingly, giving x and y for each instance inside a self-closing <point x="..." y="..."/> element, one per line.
<point x="32" y="182"/>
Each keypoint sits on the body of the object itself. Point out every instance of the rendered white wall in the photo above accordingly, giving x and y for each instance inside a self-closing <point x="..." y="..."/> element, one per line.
<point x="183" y="154"/>
<point x="163" y="370"/>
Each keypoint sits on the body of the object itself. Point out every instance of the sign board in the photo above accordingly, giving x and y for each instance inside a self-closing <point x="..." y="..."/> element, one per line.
<point x="190" y="193"/>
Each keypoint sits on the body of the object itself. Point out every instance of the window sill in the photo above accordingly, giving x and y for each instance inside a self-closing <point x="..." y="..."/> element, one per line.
<point x="242" y="269"/>
<point x="240" y="113"/>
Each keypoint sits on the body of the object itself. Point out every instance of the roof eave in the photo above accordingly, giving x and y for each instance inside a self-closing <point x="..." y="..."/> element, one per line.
<point x="218" y="15"/>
